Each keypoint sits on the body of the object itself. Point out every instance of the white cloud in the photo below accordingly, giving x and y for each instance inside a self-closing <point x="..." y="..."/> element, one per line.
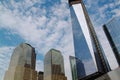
<point x="39" y="65"/>
<point x="100" y="14"/>
<point x="40" y="31"/>
<point x="43" y="32"/>
<point x="117" y="12"/>
<point x="5" y="53"/>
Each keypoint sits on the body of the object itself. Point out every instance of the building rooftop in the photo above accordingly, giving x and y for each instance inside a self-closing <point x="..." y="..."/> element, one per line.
<point x="71" y="2"/>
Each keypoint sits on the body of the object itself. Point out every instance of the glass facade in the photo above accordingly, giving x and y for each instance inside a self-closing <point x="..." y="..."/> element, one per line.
<point x="77" y="68"/>
<point x="22" y="56"/>
<point x="81" y="47"/>
<point x="80" y="69"/>
<point x="86" y="45"/>
<point x="112" y="32"/>
<point x="22" y="64"/>
<point x="54" y="66"/>
<point x="73" y="68"/>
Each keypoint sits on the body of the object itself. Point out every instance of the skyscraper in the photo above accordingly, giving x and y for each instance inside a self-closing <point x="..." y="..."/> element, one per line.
<point x="54" y="66"/>
<point x="86" y="44"/>
<point x="40" y="75"/>
<point x="112" y="32"/>
<point x="77" y="68"/>
<point x="73" y="68"/>
<point x="22" y="64"/>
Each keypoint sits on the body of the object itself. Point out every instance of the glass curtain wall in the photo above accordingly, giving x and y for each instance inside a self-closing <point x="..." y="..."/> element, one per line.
<point x="112" y="31"/>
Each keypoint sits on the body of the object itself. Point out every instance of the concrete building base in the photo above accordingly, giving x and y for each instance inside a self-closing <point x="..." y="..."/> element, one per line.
<point x="112" y="75"/>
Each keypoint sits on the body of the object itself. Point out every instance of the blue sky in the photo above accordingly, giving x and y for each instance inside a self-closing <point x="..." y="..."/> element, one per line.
<point x="46" y="24"/>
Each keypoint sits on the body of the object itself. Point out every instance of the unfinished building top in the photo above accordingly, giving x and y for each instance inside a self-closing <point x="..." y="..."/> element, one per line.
<point x="71" y="2"/>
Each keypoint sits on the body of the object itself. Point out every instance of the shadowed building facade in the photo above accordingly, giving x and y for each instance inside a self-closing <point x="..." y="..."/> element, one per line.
<point x="22" y="64"/>
<point x="86" y="44"/>
<point x="112" y="31"/>
<point x="112" y="75"/>
<point x="40" y="75"/>
<point x="54" y="66"/>
<point x="77" y="68"/>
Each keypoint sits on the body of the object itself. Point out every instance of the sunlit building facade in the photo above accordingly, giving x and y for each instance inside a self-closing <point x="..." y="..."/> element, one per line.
<point x="112" y="31"/>
<point x="86" y="44"/>
<point x="54" y="66"/>
<point x="22" y="64"/>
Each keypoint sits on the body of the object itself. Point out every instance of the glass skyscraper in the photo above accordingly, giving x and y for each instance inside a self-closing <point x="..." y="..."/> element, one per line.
<point x="86" y="44"/>
<point x="73" y="68"/>
<point x="54" y="66"/>
<point x="22" y="64"/>
<point x="112" y="31"/>
<point x="77" y="68"/>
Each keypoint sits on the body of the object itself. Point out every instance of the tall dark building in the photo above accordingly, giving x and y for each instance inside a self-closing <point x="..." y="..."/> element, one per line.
<point x="86" y="44"/>
<point x="22" y="64"/>
<point x="77" y="68"/>
<point x="112" y="31"/>
<point x="40" y="76"/>
<point x="54" y="66"/>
